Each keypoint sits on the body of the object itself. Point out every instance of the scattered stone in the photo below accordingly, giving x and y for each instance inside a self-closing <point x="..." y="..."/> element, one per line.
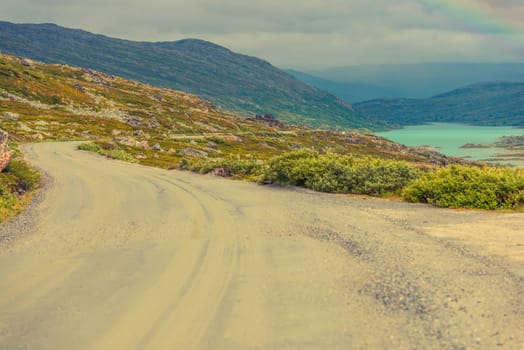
<point x="232" y="138"/>
<point x="156" y="147"/>
<point x="133" y="121"/>
<point x="11" y="116"/>
<point x="24" y="127"/>
<point x="26" y="62"/>
<point x="153" y="124"/>
<point x="269" y="120"/>
<point x="140" y="133"/>
<point x="140" y="156"/>
<point x="193" y="153"/>
<point x="37" y="137"/>
<point x="79" y="87"/>
<point x="132" y="142"/>
<point x="222" y="172"/>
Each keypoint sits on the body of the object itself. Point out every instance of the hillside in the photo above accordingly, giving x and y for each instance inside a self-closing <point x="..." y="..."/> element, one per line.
<point x="157" y="126"/>
<point x="234" y="82"/>
<point x="421" y="80"/>
<point x="491" y="103"/>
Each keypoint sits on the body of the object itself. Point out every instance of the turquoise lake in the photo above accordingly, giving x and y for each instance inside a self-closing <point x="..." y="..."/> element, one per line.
<point x="448" y="138"/>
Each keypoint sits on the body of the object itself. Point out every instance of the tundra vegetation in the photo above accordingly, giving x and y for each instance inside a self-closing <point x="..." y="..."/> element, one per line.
<point x="18" y="181"/>
<point x="169" y="129"/>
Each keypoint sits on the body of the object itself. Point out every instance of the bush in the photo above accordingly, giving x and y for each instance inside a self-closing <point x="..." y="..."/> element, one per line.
<point x="461" y="186"/>
<point x="231" y="167"/>
<point x="23" y="177"/>
<point x="340" y="173"/>
<point x="108" y="150"/>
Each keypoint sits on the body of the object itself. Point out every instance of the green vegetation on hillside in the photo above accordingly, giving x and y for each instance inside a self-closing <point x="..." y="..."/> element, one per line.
<point x="234" y="82"/>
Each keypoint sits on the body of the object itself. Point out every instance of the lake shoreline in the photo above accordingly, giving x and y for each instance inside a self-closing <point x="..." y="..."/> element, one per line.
<point x="458" y="140"/>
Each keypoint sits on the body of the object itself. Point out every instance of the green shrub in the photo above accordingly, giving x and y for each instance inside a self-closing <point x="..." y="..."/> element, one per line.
<point x="241" y="168"/>
<point x="108" y="150"/>
<point x="469" y="187"/>
<point x="340" y="173"/>
<point x="23" y="177"/>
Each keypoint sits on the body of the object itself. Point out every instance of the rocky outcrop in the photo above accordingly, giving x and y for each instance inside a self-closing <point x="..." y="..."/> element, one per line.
<point x="193" y="153"/>
<point x="269" y="120"/>
<point x="5" y="152"/>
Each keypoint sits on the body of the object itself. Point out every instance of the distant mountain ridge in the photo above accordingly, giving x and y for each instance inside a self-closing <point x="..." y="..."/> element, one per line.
<point x="420" y="80"/>
<point x="234" y="82"/>
<point x="490" y="103"/>
<point x="351" y="92"/>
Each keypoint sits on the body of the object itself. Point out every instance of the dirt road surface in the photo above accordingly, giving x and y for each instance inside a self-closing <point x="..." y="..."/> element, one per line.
<point x="120" y="256"/>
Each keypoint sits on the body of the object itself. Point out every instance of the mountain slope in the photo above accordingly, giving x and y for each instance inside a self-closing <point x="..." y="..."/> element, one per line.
<point x="491" y="103"/>
<point x="231" y="81"/>
<point x="421" y="80"/>
<point x="158" y="126"/>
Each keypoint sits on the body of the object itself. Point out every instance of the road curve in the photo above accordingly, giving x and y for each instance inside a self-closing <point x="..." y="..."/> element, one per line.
<point x="128" y="257"/>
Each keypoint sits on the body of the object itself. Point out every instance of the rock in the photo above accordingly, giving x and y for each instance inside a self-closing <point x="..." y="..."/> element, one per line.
<point x="141" y="133"/>
<point x="131" y="142"/>
<point x="140" y="156"/>
<point x="11" y="116"/>
<point x="133" y="121"/>
<point x="153" y="124"/>
<point x="171" y="151"/>
<point x="212" y="145"/>
<point x="268" y="119"/>
<point x="116" y="132"/>
<point x="26" y="62"/>
<point x="232" y="138"/>
<point x="5" y="152"/>
<point x="79" y="87"/>
<point x="193" y="153"/>
<point x="156" y="147"/>
<point x="193" y="143"/>
<point x="24" y="127"/>
<point x="37" y="137"/>
<point x="222" y="172"/>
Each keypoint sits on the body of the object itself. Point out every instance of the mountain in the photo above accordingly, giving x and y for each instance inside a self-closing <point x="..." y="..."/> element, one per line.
<point x="418" y="80"/>
<point x="350" y="92"/>
<point x="234" y="82"/>
<point x="490" y="103"/>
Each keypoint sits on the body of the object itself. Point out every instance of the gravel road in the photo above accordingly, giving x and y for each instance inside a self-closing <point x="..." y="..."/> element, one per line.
<point x="120" y="256"/>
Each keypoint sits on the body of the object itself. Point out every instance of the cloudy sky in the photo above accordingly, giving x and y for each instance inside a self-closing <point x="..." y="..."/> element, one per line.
<point x="304" y="33"/>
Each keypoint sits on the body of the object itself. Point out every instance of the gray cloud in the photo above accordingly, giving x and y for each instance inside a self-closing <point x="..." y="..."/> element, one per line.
<point x="307" y="33"/>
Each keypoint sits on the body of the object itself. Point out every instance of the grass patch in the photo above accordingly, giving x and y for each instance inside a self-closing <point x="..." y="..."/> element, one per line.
<point x="109" y="152"/>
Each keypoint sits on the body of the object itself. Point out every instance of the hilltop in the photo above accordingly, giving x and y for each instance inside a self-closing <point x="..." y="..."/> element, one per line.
<point x="231" y="81"/>
<point x="490" y="103"/>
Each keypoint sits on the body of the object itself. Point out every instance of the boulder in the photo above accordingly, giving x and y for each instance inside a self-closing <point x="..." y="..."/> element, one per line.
<point x="11" y="116"/>
<point x="193" y="153"/>
<point x="5" y="152"/>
